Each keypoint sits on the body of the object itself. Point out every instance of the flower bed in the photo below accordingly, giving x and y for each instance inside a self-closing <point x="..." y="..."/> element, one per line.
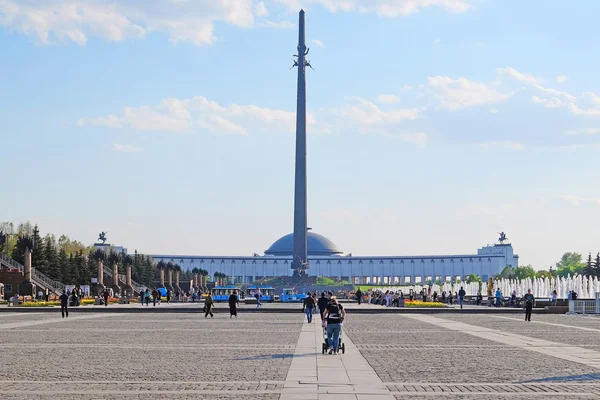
<point x="40" y="304"/>
<point x="418" y="303"/>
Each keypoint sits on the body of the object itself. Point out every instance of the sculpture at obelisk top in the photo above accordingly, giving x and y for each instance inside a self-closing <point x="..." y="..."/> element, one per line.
<point x="300" y="253"/>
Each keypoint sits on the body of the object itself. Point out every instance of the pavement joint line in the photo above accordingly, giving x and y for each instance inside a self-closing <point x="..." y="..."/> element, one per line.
<point x="22" y="324"/>
<point x="554" y="349"/>
<point x="583" y="328"/>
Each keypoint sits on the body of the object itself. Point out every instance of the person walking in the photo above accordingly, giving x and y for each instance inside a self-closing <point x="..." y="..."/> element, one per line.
<point x="308" y="306"/>
<point x="154" y="296"/>
<point x="529" y="303"/>
<point x="142" y="297"/>
<point x="322" y="304"/>
<point x="334" y="315"/>
<point x="147" y="296"/>
<point x="359" y="295"/>
<point x="498" y="297"/>
<point x="106" y="295"/>
<point x="208" y="306"/>
<point x="234" y="302"/>
<point x="64" y="302"/>
<point x="168" y="296"/>
<point x="257" y="297"/>
<point x="554" y="297"/>
<point x="461" y="296"/>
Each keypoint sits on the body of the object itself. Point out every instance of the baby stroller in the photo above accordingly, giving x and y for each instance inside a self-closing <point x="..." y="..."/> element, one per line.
<point x="325" y="347"/>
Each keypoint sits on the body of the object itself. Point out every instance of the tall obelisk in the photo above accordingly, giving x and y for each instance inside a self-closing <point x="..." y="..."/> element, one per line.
<point x="300" y="257"/>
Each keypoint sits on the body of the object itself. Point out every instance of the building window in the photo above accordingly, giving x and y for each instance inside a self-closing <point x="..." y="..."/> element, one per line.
<point x="8" y="288"/>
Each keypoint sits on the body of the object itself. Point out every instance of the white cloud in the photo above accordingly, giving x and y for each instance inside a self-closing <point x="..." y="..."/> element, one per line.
<point x="585" y="131"/>
<point x="367" y="113"/>
<point x="387" y="98"/>
<point x="277" y="24"/>
<point x="437" y="41"/>
<point x="494" y="110"/>
<point x="577" y="201"/>
<point x="507" y="144"/>
<point x="185" y="115"/>
<point x="519" y="76"/>
<point x="51" y="21"/>
<point x="383" y="8"/>
<point x="460" y="93"/>
<point x="317" y="43"/>
<point x="551" y="102"/>
<point x="406" y="88"/>
<point x="562" y="78"/>
<point x="261" y="10"/>
<point x="542" y="199"/>
<point x="126" y="148"/>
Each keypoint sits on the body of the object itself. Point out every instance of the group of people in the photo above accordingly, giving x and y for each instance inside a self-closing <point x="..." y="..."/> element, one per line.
<point x="332" y="316"/>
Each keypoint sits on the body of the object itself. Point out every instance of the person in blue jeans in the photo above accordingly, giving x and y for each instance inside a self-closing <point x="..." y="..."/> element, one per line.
<point x="334" y="315"/>
<point x="308" y="307"/>
<point x="461" y="296"/>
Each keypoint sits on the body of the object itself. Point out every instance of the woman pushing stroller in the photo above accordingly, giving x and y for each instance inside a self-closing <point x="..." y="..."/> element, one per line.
<point x="334" y="316"/>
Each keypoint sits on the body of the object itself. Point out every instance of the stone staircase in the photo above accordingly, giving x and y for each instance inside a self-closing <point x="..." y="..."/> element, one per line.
<point x="37" y="278"/>
<point x="137" y="288"/>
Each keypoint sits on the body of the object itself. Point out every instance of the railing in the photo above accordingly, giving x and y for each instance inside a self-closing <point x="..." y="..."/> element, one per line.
<point x="36" y="275"/>
<point x="10" y="262"/>
<point x="585" y="306"/>
<point x="136" y="286"/>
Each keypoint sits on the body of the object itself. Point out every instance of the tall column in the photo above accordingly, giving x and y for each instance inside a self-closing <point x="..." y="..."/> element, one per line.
<point x="27" y="270"/>
<point x="116" y="287"/>
<point x="162" y="277"/>
<point x="177" y="280"/>
<point x="196" y="284"/>
<point x="170" y="287"/>
<point x="128" y="281"/>
<point x="29" y="289"/>
<point x="300" y="254"/>
<point x="100" y="286"/>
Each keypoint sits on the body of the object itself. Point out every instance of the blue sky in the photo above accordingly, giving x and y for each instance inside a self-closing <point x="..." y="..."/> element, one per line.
<point x="433" y="124"/>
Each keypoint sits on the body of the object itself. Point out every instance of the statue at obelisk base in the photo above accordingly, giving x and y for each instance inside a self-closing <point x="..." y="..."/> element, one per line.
<point x="113" y="260"/>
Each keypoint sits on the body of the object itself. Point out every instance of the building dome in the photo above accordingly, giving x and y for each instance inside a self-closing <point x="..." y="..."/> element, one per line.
<point x="318" y="245"/>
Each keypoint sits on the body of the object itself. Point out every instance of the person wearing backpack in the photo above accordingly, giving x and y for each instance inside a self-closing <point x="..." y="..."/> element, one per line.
<point x="334" y="315"/>
<point x="308" y="307"/>
<point x="461" y="296"/>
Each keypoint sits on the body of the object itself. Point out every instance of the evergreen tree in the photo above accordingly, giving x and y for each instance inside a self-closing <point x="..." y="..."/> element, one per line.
<point x="597" y="266"/>
<point x="52" y="264"/>
<point x="38" y="257"/>
<point x="84" y="277"/>
<point x="589" y="268"/>
<point x="65" y="268"/>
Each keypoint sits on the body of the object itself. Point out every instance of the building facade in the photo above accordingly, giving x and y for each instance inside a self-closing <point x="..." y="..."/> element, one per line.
<point x="327" y="260"/>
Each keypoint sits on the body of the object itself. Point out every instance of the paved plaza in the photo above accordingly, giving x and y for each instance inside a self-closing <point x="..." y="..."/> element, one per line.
<point x="278" y="356"/>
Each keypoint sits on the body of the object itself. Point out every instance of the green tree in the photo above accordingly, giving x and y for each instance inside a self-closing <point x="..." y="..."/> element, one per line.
<point x="596" y="269"/>
<point x="569" y="259"/>
<point x="51" y="255"/>
<point x="507" y="273"/>
<point x="471" y="278"/>
<point x="38" y="256"/>
<point x="589" y="266"/>
<point x="524" y="272"/>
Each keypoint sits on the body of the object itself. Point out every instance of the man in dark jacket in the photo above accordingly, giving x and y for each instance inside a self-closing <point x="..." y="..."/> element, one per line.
<point x="64" y="302"/>
<point x="359" y="296"/>
<point x="308" y="307"/>
<point x="322" y="304"/>
<point x="233" y="304"/>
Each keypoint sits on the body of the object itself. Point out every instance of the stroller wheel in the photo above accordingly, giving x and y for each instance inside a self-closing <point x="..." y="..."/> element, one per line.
<point x="343" y="348"/>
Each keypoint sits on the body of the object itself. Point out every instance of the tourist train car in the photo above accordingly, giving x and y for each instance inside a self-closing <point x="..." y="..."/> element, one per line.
<point x="222" y="293"/>
<point x="267" y="293"/>
<point x="288" y="296"/>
